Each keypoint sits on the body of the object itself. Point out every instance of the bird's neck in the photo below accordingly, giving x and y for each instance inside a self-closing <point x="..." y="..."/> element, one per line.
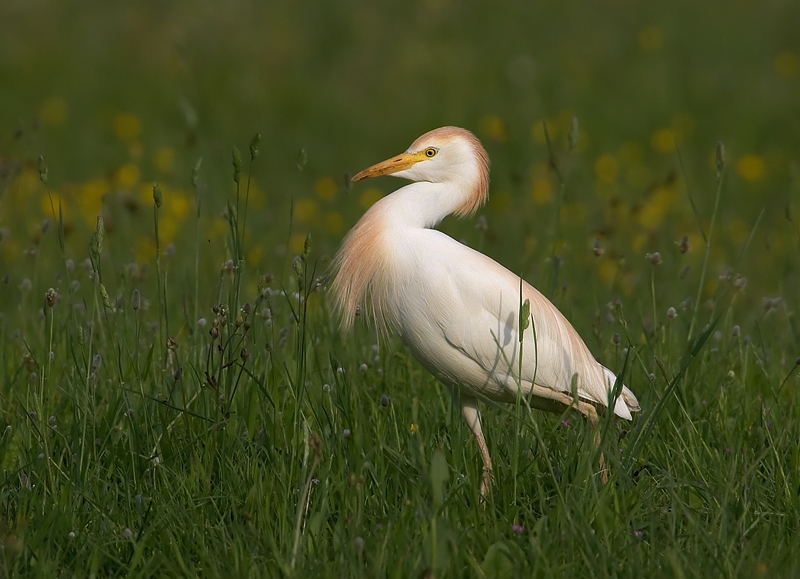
<point x="421" y="204"/>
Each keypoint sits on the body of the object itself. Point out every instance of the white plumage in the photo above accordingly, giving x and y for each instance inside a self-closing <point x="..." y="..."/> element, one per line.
<point x="456" y="309"/>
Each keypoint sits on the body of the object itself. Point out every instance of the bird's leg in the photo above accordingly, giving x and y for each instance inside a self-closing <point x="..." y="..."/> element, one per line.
<point x="590" y="413"/>
<point x="469" y="410"/>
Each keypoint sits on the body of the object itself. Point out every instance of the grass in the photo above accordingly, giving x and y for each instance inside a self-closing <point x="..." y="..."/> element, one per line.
<point x="182" y="403"/>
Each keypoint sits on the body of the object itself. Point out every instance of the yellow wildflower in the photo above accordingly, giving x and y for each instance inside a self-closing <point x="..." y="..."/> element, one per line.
<point x="541" y="184"/>
<point x="219" y="229"/>
<point x="660" y="202"/>
<point x="650" y="38"/>
<point x="542" y="191"/>
<point x="90" y="199"/>
<point x="326" y="188"/>
<point x="53" y="111"/>
<point x="177" y="203"/>
<point x="306" y="211"/>
<point x="168" y="227"/>
<point x="492" y="126"/>
<point x="127" y="126"/>
<point x="413" y="428"/>
<point x="369" y="197"/>
<point x="607" y="270"/>
<point x="638" y="177"/>
<point x="606" y="169"/>
<point x="164" y="159"/>
<point x="127" y="176"/>
<point x="751" y="168"/>
<point x="663" y="141"/>
<point x="255" y="254"/>
<point x="639" y="242"/>
<point x="24" y="187"/>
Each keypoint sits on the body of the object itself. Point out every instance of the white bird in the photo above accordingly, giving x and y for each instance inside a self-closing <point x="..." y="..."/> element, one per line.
<point x="457" y="310"/>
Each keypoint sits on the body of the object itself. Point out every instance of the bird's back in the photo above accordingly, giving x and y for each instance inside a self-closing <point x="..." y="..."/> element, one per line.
<point x="458" y="311"/>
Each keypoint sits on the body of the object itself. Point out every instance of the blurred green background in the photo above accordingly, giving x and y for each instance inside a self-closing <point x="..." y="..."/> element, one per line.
<point x="118" y="95"/>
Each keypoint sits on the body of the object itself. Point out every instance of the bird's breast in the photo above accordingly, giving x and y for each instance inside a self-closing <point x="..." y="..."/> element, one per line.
<point x="433" y="305"/>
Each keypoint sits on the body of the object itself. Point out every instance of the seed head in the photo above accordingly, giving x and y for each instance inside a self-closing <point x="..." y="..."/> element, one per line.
<point x="42" y="170"/>
<point x="720" y="157"/>
<point x="302" y="159"/>
<point x="254" y="146"/>
<point x="236" y="158"/>
<point x="297" y="264"/>
<point x="196" y="172"/>
<point x="524" y="317"/>
<point x="671" y="313"/>
<point x="158" y="197"/>
<point x="104" y="295"/>
<point x="96" y="244"/>
<point x="50" y="297"/>
<point x="574" y="131"/>
<point x="136" y="300"/>
<point x="655" y="258"/>
<point x="684" y="245"/>
<point x="597" y="248"/>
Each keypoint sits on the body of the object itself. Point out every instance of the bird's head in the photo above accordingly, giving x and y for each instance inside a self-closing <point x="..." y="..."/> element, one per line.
<point x="443" y="155"/>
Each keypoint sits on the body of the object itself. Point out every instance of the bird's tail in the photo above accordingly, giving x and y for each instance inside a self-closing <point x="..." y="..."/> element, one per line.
<point x="627" y="402"/>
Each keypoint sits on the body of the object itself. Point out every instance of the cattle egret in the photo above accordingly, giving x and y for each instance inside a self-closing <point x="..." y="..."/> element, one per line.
<point x="456" y="309"/>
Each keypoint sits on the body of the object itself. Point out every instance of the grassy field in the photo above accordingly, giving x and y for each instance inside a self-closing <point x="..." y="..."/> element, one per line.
<point x="175" y="397"/>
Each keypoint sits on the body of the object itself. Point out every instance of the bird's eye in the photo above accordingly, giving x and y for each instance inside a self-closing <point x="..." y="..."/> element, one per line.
<point x="430" y="152"/>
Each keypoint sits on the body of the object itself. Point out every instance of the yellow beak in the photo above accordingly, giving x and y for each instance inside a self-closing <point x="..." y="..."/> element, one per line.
<point x="399" y="163"/>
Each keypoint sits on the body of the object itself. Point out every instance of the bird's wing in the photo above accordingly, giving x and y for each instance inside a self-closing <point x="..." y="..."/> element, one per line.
<point x="555" y="359"/>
